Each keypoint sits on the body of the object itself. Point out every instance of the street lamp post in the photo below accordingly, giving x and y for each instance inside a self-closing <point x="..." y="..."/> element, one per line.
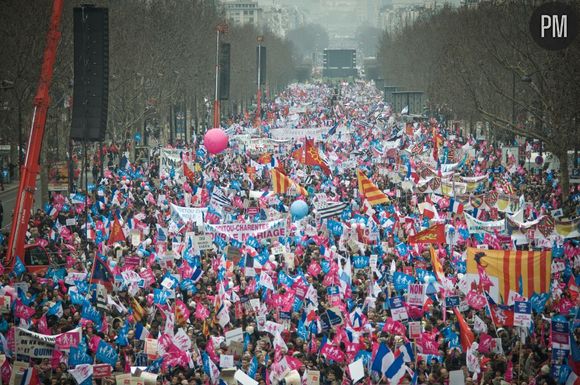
<point x="221" y="28"/>
<point x="259" y="92"/>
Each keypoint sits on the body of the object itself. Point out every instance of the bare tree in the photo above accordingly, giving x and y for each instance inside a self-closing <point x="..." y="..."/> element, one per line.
<point x="483" y="63"/>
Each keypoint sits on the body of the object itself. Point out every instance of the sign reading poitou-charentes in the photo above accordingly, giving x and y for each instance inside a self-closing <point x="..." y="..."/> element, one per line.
<point x="259" y="230"/>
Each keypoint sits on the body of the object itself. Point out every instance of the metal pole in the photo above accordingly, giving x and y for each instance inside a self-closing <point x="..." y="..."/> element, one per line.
<point x="86" y="198"/>
<point x="259" y="93"/>
<point x="513" y="98"/>
<point x="216" y="102"/>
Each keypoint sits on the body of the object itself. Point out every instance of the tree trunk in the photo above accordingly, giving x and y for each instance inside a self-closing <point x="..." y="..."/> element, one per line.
<point x="562" y="156"/>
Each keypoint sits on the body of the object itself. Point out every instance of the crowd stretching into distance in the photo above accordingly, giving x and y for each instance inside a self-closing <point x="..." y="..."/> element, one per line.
<point x="333" y="242"/>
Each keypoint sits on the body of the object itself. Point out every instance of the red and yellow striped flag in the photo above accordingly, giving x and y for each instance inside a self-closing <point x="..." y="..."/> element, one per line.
<point x="437" y="268"/>
<point x="369" y="190"/>
<point x="512" y="268"/>
<point x="138" y="311"/>
<point x="282" y="183"/>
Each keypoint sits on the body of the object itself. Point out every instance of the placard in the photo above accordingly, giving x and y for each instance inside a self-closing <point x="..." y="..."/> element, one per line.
<point x="522" y="313"/>
<point x="151" y="348"/>
<point x="452" y="301"/>
<point x="414" y="330"/>
<point x="278" y="250"/>
<point x="226" y="361"/>
<point x="456" y="377"/>
<point x="123" y="379"/>
<point x="234" y="335"/>
<point x="416" y="294"/>
<point x="71" y="222"/>
<point x="5" y="304"/>
<point x="398" y="311"/>
<point x="18" y="369"/>
<point x="234" y="254"/>
<point x="356" y="370"/>
<point x="373" y="261"/>
<point x="135" y="237"/>
<point x="244" y="379"/>
<point x="313" y="377"/>
<point x="102" y="370"/>
<point x="203" y="242"/>
<point x="236" y="348"/>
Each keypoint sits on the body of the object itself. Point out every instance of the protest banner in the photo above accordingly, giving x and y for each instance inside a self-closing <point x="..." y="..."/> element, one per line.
<point x="36" y="345"/>
<point x="243" y="231"/>
<point x="188" y="214"/>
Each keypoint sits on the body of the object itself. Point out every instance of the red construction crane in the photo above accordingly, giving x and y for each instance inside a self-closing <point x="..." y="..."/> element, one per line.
<point x="31" y="167"/>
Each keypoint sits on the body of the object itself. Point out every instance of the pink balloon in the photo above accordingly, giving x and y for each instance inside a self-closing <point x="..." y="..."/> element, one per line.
<point x="215" y="140"/>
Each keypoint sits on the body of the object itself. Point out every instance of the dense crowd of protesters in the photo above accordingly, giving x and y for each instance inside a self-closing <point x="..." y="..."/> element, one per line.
<point x="321" y="310"/>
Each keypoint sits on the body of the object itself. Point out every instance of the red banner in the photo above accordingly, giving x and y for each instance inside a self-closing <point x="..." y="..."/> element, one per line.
<point x="434" y="234"/>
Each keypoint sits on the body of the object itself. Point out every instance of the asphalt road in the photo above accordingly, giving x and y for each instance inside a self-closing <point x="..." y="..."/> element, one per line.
<point x="8" y="199"/>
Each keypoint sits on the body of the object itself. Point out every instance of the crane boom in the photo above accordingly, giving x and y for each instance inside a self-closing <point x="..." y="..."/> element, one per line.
<point x="31" y="167"/>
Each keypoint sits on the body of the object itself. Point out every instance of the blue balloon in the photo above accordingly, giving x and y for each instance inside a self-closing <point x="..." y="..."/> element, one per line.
<point x="299" y="209"/>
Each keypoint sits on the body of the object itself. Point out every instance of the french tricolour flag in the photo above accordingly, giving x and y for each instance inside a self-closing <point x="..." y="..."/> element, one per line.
<point x="407" y="352"/>
<point x="383" y="360"/>
<point x="455" y="206"/>
<point x="29" y="377"/>
<point x="397" y="370"/>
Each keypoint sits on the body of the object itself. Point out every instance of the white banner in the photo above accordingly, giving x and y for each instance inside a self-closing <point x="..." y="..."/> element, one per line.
<point x="36" y="345"/>
<point x="187" y="214"/>
<point x="299" y="133"/>
<point x="475" y="226"/>
<point x="260" y="230"/>
<point x="169" y="158"/>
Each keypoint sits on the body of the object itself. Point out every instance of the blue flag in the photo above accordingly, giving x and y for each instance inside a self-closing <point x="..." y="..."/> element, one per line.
<point x="78" y="356"/>
<point x="101" y="273"/>
<point x="106" y="354"/>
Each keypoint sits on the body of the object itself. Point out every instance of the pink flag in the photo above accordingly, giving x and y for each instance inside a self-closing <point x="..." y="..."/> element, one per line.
<point x="475" y="300"/>
<point x="485" y="342"/>
<point x="201" y="312"/>
<point x="43" y="325"/>
<point x="314" y="269"/>
<point x="55" y="359"/>
<point x="394" y="327"/>
<point x="22" y="311"/>
<point x="332" y="352"/>
<point x="6" y="371"/>
<point x="428" y="345"/>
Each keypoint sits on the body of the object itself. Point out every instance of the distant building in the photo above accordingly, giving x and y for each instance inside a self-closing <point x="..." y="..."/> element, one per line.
<point x="393" y="20"/>
<point x="242" y="12"/>
<point x="281" y="19"/>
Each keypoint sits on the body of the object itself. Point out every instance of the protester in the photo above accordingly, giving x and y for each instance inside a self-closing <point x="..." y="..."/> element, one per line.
<point x="343" y="245"/>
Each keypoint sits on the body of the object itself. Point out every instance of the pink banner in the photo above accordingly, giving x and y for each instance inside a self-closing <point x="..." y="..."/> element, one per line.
<point x="67" y="340"/>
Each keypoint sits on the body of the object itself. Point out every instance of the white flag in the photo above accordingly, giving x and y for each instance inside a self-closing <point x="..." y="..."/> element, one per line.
<point x="478" y="325"/>
<point x="81" y="372"/>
